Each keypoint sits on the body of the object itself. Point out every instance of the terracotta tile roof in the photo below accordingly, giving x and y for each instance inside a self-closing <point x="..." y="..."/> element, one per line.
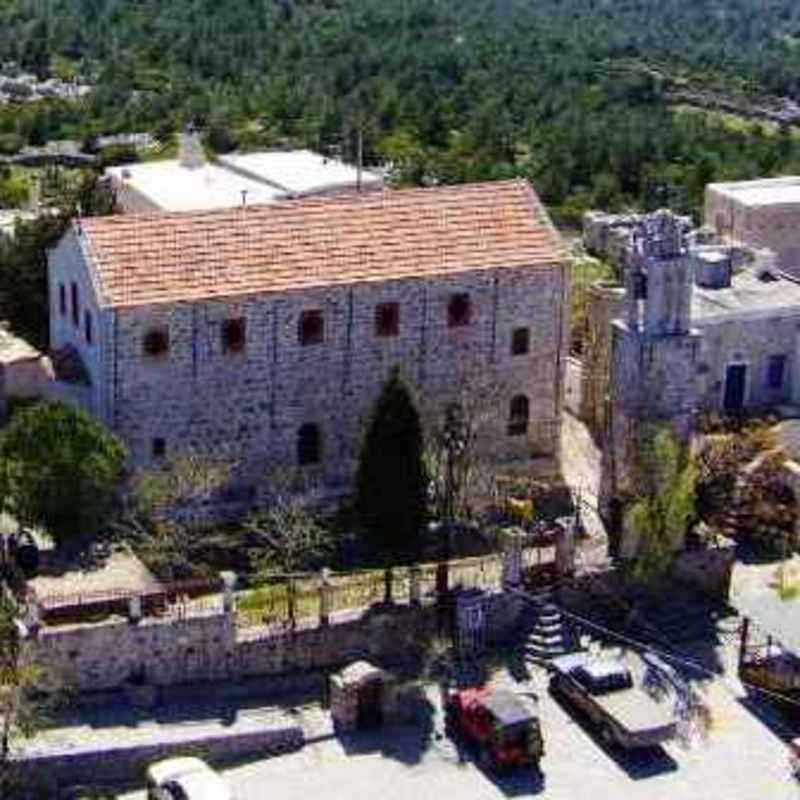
<point x="164" y="257"/>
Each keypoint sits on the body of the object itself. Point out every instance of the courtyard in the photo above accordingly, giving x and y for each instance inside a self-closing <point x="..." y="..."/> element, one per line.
<point x="742" y="759"/>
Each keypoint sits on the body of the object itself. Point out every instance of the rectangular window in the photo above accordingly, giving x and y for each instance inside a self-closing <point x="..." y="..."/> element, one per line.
<point x="156" y="342"/>
<point x="311" y="328"/>
<point x="76" y="311"/>
<point x="87" y="326"/>
<point x="776" y="369"/>
<point x="520" y="341"/>
<point x="62" y="299"/>
<point x="234" y="335"/>
<point x="387" y="319"/>
<point x="158" y="447"/>
<point x="459" y="310"/>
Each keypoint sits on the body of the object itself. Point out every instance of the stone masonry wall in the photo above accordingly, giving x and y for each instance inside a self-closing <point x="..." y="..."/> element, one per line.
<point x="165" y="652"/>
<point x="604" y="304"/>
<point x="250" y="405"/>
<point x="66" y="266"/>
<point x="724" y="342"/>
<point x="772" y="226"/>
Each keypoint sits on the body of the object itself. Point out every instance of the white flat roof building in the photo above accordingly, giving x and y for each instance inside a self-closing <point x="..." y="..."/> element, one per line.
<point x="190" y="183"/>
<point x="301" y="172"/>
<point x="763" y="214"/>
<point x="171" y="186"/>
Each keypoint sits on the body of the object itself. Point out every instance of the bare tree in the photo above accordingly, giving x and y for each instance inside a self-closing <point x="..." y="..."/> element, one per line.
<point x="285" y="536"/>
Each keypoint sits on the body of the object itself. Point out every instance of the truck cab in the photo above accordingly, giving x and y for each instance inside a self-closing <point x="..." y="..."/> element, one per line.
<point x="501" y="725"/>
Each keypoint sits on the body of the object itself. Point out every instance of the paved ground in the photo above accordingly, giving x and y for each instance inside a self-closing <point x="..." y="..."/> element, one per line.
<point x="742" y="759"/>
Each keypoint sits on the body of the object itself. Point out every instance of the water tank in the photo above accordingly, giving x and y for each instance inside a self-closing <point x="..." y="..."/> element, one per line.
<point x="712" y="269"/>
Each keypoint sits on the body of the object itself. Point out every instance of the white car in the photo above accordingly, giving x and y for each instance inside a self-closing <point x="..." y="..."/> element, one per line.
<point x="185" y="779"/>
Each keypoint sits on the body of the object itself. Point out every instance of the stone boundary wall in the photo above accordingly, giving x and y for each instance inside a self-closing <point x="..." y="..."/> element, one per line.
<point x="118" y="654"/>
<point x="125" y="764"/>
<point x="166" y="652"/>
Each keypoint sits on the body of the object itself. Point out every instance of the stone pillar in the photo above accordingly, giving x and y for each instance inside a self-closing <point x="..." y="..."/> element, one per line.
<point x="33" y="616"/>
<point x="134" y="609"/>
<point x="512" y="558"/>
<point x="565" y="546"/>
<point x="325" y="596"/>
<point x="415" y="585"/>
<point x="229" y="580"/>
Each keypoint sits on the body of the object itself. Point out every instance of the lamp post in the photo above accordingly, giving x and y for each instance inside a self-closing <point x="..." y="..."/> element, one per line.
<point x="454" y="443"/>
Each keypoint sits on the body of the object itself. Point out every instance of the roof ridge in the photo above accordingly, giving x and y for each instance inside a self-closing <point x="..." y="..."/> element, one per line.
<point x="165" y="257"/>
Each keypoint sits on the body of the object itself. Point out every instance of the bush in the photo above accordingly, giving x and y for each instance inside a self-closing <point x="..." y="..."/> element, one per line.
<point x="10" y="144"/>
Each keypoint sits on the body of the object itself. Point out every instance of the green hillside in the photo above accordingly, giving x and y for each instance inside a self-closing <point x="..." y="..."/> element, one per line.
<point x="575" y="94"/>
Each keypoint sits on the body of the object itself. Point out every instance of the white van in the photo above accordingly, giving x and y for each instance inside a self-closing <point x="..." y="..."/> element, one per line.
<point x="185" y="779"/>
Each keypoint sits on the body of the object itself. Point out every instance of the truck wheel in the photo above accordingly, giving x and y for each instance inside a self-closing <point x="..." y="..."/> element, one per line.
<point x="607" y="735"/>
<point x="485" y="760"/>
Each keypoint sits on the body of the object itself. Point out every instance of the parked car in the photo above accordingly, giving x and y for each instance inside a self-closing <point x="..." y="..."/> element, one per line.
<point x="185" y="779"/>
<point x="794" y="757"/>
<point x="603" y="689"/>
<point x="502" y="726"/>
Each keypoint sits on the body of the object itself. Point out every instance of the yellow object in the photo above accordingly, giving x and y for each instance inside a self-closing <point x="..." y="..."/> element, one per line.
<point x="519" y="510"/>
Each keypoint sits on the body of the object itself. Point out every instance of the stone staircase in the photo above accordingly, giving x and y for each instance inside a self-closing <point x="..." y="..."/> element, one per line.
<point x="549" y="634"/>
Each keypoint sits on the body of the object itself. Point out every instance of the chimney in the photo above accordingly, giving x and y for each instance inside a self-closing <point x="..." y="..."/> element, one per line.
<point x="191" y="153"/>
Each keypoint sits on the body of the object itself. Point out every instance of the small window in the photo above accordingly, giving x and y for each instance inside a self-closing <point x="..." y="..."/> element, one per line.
<point x="234" y="335"/>
<point x="520" y="341"/>
<point x="308" y="445"/>
<point x="640" y="286"/>
<point x="519" y="416"/>
<point x="76" y="311"/>
<point x="459" y="310"/>
<point x="312" y="328"/>
<point x="62" y="299"/>
<point x="159" y="447"/>
<point x="156" y="342"/>
<point x="387" y="319"/>
<point x="776" y="369"/>
<point x="87" y="326"/>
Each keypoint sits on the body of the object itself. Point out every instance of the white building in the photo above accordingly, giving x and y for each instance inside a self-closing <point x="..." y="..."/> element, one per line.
<point x="762" y="214"/>
<point x="190" y="183"/>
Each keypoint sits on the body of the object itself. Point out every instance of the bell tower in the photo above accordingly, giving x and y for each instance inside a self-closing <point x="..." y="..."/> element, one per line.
<point x="654" y="350"/>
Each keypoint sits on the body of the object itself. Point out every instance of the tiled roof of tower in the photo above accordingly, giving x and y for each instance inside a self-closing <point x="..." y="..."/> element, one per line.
<point x="166" y="257"/>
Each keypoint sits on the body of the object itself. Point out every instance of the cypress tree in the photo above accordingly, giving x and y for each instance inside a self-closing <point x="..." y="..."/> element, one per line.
<point x="392" y="482"/>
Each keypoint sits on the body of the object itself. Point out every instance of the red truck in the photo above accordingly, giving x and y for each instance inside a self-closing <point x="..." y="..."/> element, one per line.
<point x="502" y="726"/>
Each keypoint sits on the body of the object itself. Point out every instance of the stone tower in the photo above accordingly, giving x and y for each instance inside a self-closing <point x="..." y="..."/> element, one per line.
<point x="653" y="353"/>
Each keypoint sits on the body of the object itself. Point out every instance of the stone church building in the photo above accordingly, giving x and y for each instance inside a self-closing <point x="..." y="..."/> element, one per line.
<point x="263" y="334"/>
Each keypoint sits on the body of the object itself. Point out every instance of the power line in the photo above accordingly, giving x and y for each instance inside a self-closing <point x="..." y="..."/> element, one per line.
<point x="658" y="651"/>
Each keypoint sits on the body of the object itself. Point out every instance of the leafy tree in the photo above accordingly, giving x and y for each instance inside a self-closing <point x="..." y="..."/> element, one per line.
<point x="659" y="517"/>
<point x="392" y="482"/>
<point x="23" y="259"/>
<point x="59" y="468"/>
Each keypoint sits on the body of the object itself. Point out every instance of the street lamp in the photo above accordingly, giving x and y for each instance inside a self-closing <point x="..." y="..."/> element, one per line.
<point x="453" y="440"/>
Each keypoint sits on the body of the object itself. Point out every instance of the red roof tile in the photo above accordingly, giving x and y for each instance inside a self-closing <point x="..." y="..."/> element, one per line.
<point x="165" y="257"/>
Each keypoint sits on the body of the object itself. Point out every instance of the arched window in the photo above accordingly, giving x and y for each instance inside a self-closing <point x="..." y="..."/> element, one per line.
<point x="519" y="415"/>
<point x="308" y="444"/>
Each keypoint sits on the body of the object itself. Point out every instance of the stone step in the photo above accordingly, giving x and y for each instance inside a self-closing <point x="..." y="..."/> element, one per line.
<point x="550" y="625"/>
<point x="536" y="641"/>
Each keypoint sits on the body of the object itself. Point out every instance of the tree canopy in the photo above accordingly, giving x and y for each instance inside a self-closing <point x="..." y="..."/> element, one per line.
<point x="58" y="469"/>
<point x="392" y="484"/>
<point x="587" y="99"/>
<point x="658" y="518"/>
